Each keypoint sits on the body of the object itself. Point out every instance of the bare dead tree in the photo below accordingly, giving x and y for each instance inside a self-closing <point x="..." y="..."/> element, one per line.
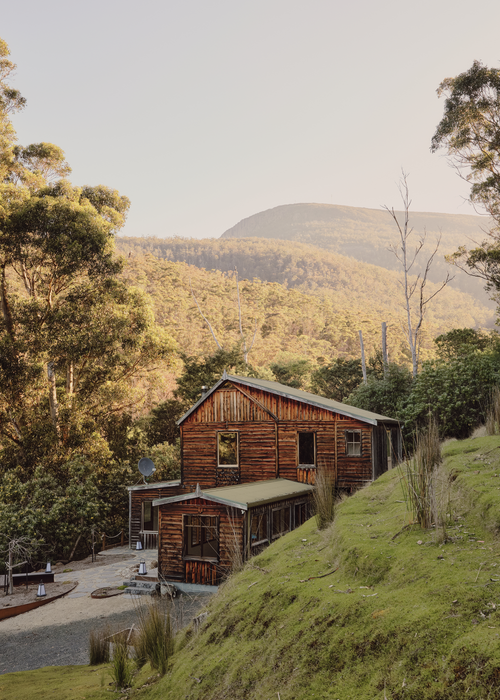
<point x="204" y="317"/>
<point x="17" y="548"/>
<point x="245" y="348"/>
<point x="243" y="337"/>
<point x="415" y="299"/>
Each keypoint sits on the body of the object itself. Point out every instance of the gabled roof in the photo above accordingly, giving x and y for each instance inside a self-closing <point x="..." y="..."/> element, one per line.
<point x="297" y="395"/>
<point x="244" y="496"/>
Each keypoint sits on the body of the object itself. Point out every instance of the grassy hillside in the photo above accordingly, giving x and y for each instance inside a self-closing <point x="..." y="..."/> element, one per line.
<point x="319" y="327"/>
<point x="367" y="609"/>
<point x="364" y="234"/>
<point x="371" y="608"/>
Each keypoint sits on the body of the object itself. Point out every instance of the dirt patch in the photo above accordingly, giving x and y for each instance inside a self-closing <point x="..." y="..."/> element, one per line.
<point x="82" y="564"/>
<point x="23" y="595"/>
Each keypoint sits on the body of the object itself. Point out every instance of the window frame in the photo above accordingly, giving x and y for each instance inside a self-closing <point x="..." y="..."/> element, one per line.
<point x="206" y="524"/>
<point x="263" y="514"/>
<point x="358" y="432"/>
<point x="228" y="466"/>
<point x="308" y="465"/>
<point x="281" y="532"/>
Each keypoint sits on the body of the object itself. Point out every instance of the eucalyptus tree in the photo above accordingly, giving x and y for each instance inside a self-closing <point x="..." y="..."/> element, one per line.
<point x="75" y="341"/>
<point x="470" y="133"/>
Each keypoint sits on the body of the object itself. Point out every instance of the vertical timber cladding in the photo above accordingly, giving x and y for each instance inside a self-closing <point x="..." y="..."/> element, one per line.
<point x="172" y="564"/>
<point x="137" y="499"/>
<point x="329" y="428"/>
<point x="354" y="471"/>
<point x="229" y="409"/>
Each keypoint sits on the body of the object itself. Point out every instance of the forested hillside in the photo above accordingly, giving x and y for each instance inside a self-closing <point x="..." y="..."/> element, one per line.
<point x="286" y="318"/>
<point x="366" y="234"/>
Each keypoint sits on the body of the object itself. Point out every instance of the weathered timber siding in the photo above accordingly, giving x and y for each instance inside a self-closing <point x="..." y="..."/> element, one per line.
<point x="354" y="471"/>
<point x="268" y="427"/>
<point x="137" y="499"/>
<point x="171" y="564"/>
<point x="257" y="452"/>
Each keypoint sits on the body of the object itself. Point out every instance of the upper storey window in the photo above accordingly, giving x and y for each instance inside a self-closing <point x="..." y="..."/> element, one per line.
<point x="307" y="449"/>
<point x="227" y="449"/>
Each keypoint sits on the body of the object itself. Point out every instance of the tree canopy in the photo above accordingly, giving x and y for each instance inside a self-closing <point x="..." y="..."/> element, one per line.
<point x="470" y="133"/>
<point x="77" y="344"/>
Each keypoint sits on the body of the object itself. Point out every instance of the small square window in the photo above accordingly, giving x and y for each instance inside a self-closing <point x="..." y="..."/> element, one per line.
<point x="353" y="443"/>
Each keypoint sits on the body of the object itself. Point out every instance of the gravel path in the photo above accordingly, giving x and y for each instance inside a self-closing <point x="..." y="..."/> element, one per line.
<point x="67" y="644"/>
<point x="57" y="634"/>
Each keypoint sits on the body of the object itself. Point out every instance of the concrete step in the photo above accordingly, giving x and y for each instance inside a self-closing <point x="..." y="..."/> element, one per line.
<point x="141" y="587"/>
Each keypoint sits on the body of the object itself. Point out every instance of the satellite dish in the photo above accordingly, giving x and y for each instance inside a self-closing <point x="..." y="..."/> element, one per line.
<point x="146" y="466"/>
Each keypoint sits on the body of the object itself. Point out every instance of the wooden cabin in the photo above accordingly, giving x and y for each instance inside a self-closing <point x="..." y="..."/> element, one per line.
<point x="247" y="429"/>
<point x="250" y="452"/>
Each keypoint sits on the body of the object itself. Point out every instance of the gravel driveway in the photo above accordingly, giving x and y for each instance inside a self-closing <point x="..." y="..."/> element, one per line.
<point x="57" y="634"/>
<point x="67" y="644"/>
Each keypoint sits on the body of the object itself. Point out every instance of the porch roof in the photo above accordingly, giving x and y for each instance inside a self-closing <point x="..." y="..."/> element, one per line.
<point x="245" y="496"/>
<point x="154" y="485"/>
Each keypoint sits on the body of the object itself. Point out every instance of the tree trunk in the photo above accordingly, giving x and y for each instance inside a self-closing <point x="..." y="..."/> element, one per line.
<point x="384" y="349"/>
<point x="363" y="363"/>
<point x="54" y="408"/>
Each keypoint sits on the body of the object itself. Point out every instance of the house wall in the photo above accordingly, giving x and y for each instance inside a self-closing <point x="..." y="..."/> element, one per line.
<point x="137" y="498"/>
<point x="170" y="554"/>
<point x="268" y="426"/>
<point x="234" y="537"/>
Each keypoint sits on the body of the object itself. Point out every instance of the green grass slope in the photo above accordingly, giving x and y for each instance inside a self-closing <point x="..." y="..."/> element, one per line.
<point x="366" y="609"/>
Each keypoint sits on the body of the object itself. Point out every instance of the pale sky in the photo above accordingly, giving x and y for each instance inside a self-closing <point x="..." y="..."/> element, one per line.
<point x="204" y="112"/>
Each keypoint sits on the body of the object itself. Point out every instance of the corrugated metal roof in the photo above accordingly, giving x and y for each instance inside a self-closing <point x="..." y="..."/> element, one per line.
<point x="298" y="395"/>
<point x="154" y="485"/>
<point x="245" y="496"/>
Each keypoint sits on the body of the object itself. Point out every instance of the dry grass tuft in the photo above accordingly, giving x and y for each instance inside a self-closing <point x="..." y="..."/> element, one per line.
<point x="493" y="415"/>
<point x="99" y="647"/>
<point x="155" y="640"/>
<point x="324" y="499"/>
<point x="418" y="474"/>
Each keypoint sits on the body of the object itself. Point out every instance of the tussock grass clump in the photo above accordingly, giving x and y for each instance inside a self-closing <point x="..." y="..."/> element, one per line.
<point x="493" y="415"/>
<point x="122" y="670"/>
<point x="418" y="474"/>
<point x="324" y="499"/>
<point x="98" y="647"/>
<point x="155" y="641"/>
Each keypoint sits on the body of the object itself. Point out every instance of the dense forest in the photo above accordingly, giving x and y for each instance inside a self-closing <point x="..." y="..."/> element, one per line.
<point x="298" y="298"/>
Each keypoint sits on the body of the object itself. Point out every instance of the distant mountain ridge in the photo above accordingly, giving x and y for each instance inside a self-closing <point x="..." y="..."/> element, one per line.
<point x="366" y="234"/>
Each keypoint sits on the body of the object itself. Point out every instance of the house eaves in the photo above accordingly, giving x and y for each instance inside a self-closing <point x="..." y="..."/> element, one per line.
<point x="296" y="395"/>
<point x="244" y="496"/>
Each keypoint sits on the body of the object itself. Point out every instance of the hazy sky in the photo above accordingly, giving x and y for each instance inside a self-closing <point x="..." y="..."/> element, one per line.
<point x="204" y="112"/>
